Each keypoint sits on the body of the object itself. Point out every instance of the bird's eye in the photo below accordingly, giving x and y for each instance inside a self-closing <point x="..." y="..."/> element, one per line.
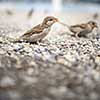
<point x="93" y="23"/>
<point x="50" y="20"/>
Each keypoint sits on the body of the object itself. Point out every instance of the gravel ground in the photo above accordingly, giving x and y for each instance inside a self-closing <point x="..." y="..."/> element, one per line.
<point x="61" y="67"/>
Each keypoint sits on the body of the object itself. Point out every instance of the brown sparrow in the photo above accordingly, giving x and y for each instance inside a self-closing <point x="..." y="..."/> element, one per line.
<point x="38" y="32"/>
<point x="80" y="30"/>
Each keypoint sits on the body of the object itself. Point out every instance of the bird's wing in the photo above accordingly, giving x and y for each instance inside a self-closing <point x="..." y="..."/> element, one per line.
<point x="35" y="30"/>
<point x="77" y="28"/>
<point x="83" y="26"/>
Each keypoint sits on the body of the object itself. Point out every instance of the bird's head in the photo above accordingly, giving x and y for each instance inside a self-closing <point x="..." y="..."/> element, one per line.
<point x="93" y="24"/>
<point x="49" y="21"/>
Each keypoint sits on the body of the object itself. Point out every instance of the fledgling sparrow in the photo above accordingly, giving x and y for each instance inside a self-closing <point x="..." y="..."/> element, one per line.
<point x="37" y="33"/>
<point x="80" y="30"/>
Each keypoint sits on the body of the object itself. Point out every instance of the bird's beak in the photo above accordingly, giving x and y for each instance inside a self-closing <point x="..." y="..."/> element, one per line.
<point x="96" y="26"/>
<point x="56" y="20"/>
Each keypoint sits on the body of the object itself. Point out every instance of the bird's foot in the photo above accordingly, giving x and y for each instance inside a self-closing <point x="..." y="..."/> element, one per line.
<point x="36" y="42"/>
<point x="39" y="42"/>
<point x="83" y="35"/>
<point x="77" y="35"/>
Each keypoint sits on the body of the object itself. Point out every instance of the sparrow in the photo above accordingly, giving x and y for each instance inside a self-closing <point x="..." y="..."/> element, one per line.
<point x="81" y="30"/>
<point x="37" y="33"/>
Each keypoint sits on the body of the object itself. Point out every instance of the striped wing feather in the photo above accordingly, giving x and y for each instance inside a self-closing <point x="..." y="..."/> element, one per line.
<point x="77" y="28"/>
<point x="35" y="30"/>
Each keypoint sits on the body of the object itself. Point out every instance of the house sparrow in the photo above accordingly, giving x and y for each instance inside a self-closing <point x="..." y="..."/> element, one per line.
<point x="82" y="29"/>
<point x="37" y="33"/>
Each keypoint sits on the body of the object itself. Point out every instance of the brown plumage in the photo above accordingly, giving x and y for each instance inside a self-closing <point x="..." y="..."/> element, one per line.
<point x="82" y="29"/>
<point x="38" y="32"/>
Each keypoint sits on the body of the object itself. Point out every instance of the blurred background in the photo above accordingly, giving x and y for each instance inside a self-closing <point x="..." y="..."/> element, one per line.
<point x="53" y="5"/>
<point x="27" y="13"/>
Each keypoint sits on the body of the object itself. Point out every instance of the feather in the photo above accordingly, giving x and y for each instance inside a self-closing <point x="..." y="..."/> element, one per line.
<point x="35" y="30"/>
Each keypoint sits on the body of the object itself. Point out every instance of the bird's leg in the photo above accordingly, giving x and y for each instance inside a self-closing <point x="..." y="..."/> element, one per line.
<point x="39" y="42"/>
<point x="77" y="35"/>
<point x="36" y="42"/>
<point x="33" y="43"/>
